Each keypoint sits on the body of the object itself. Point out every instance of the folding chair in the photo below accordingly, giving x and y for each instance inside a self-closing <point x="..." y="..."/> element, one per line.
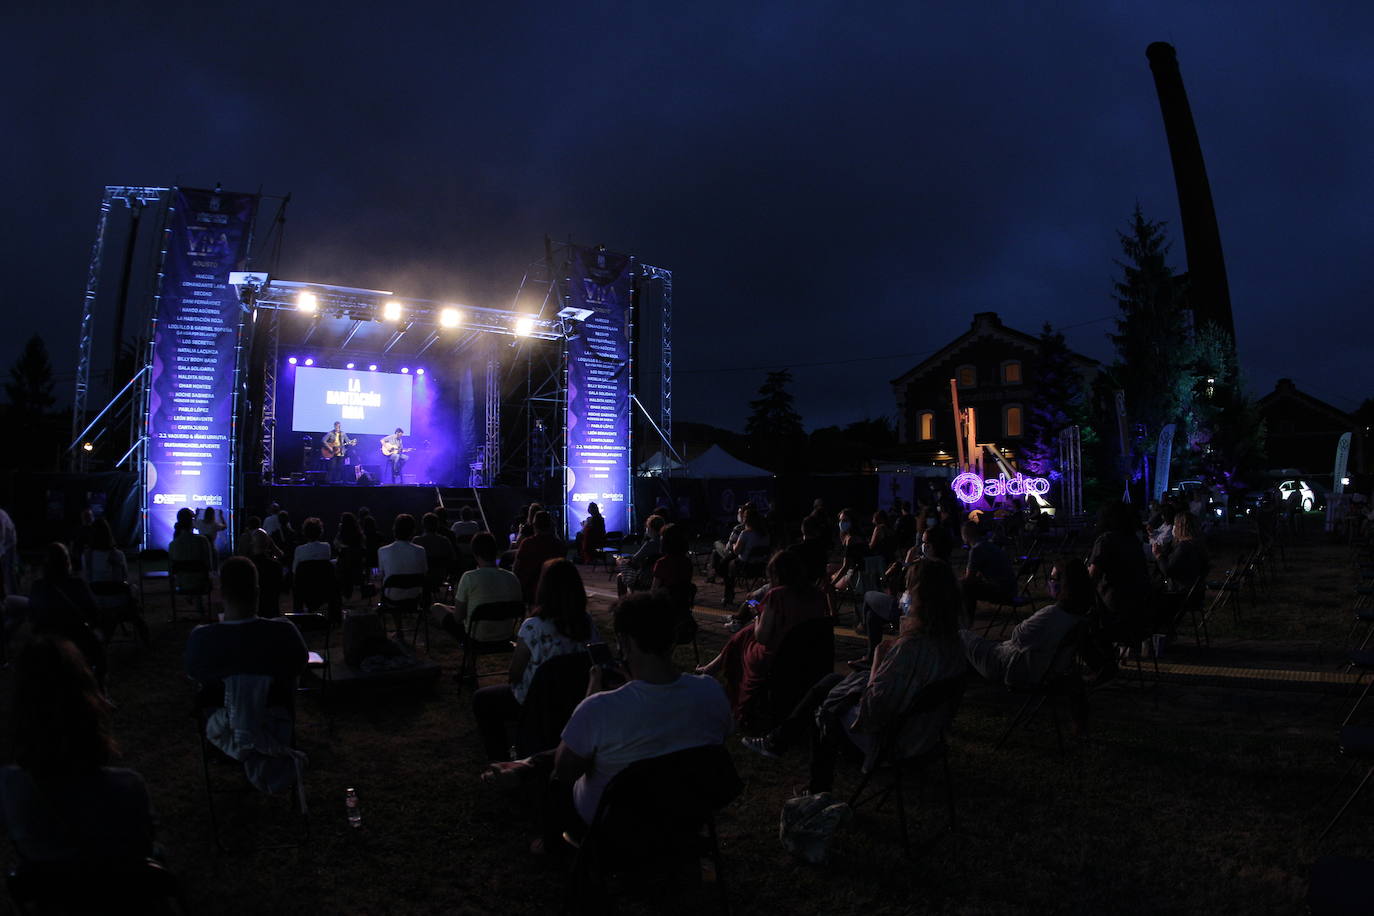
<point x="399" y="607"/>
<point x="143" y="886"/>
<point x="555" y="690"/>
<point x="1026" y="572"/>
<point x="120" y="598"/>
<point x="315" y="585"/>
<point x="655" y="811"/>
<point x="509" y="612"/>
<point x="319" y="629"/>
<point x="683" y="601"/>
<point x="1357" y="744"/>
<point x="939" y="699"/>
<point x="1061" y="681"/>
<point x="199" y="585"/>
<point x="152" y="563"/>
<point x="604" y="553"/>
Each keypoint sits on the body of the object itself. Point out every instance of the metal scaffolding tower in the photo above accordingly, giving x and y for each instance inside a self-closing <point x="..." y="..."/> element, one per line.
<point x="665" y="391"/>
<point x="491" y="457"/>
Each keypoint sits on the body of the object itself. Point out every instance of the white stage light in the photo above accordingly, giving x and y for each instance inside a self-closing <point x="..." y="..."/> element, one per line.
<point x="450" y="318"/>
<point x="349" y="366"/>
<point x="524" y="326"/>
<point x="309" y="362"/>
<point x="307" y="303"/>
<point x="392" y="310"/>
<point x="419" y="372"/>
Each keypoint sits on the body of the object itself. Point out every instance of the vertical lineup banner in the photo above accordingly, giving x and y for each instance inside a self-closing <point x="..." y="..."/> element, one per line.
<point x="190" y="421"/>
<point x="598" y="413"/>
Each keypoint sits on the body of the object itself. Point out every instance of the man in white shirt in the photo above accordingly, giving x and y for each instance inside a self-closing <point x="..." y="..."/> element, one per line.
<point x="314" y="548"/>
<point x="658" y="711"/>
<point x="401" y="557"/>
<point x="466" y="524"/>
<point x="487" y="584"/>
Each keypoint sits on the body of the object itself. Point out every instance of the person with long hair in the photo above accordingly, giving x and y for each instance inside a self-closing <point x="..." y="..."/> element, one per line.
<point x="1184" y="560"/>
<point x="1023" y="659"/>
<point x="104" y="562"/>
<point x="61" y="604"/>
<point x="744" y="662"/>
<point x="844" y="715"/>
<point x="1117" y="567"/>
<point x="61" y="799"/>
<point x="558" y="625"/>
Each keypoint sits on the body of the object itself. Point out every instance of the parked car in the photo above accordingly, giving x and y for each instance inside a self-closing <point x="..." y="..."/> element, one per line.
<point x="1304" y="494"/>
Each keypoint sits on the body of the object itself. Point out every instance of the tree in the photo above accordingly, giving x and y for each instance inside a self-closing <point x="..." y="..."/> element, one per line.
<point x="774" y="427"/>
<point x="29" y="389"/>
<point x="1057" y="402"/>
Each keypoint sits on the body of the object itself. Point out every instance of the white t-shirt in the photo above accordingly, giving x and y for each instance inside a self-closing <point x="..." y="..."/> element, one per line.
<point x="640" y="720"/>
<point x="397" y="559"/>
<point x="310" y="550"/>
<point x="544" y="642"/>
<point x="488" y="585"/>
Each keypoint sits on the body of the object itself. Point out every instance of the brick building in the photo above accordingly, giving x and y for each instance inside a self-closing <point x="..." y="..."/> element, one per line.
<point x="994" y="366"/>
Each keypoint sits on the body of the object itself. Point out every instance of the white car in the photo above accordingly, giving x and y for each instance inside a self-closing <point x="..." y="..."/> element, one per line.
<point x="1301" y="492"/>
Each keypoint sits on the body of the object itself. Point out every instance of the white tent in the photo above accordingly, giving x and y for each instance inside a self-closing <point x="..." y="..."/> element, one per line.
<point x="716" y="462"/>
<point x="660" y="464"/>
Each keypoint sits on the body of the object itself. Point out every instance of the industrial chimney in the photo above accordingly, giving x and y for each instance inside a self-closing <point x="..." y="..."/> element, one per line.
<point x="1209" y="294"/>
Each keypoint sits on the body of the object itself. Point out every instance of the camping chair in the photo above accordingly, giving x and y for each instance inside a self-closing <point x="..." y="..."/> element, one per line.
<point x="399" y="607"/>
<point x="807" y="654"/>
<point x="509" y="612"/>
<point x="940" y="699"/>
<point x="555" y="690"/>
<point x="639" y="824"/>
<point x="315" y="585"/>
<point x="143" y="886"/>
<point x="1061" y="681"/>
<point x="1021" y="597"/>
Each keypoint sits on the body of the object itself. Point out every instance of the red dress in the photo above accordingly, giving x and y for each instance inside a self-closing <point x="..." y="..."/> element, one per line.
<point x="747" y="660"/>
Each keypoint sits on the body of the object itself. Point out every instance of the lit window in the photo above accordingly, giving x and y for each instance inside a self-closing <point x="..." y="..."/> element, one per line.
<point x="1011" y="420"/>
<point x="927" y="425"/>
<point x="967" y="376"/>
<point x="1011" y="372"/>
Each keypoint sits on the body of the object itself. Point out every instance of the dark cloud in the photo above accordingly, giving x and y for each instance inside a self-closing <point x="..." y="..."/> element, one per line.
<point x="828" y="181"/>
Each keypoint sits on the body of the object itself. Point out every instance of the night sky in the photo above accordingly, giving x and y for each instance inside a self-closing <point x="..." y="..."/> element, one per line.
<point x="837" y="187"/>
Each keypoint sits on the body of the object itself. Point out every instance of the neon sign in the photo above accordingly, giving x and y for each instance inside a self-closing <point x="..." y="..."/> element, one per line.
<point x="970" y="487"/>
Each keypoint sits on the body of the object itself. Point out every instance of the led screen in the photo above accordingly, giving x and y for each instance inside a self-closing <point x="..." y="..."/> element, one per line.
<point x="370" y="403"/>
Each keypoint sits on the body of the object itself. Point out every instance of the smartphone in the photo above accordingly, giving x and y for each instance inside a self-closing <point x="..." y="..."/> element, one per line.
<point x="600" y="654"/>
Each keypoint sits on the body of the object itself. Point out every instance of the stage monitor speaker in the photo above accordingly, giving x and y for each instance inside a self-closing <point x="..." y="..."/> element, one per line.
<point x="315" y="478"/>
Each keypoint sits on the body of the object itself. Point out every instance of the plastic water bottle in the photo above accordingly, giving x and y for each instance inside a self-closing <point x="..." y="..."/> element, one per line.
<point x="355" y="814"/>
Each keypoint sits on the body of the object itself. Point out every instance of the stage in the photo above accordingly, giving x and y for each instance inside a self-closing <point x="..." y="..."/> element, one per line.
<point x="328" y="502"/>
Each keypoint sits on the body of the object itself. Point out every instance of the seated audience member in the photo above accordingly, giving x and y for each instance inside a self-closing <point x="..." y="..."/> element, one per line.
<point x="266" y="558"/>
<point x="313" y="546"/>
<point x="1162" y="534"/>
<point x="904" y="525"/>
<point x="989" y="575"/>
<point x="402" y="557"/>
<point x="189" y="547"/>
<point x="534" y="551"/>
<point x="61" y="801"/>
<point x="1117" y="566"/>
<point x="525" y="526"/>
<point x="270" y="522"/>
<point x="673" y="569"/>
<point x="467" y="524"/>
<point x="105" y="563"/>
<point x="244" y="643"/>
<point x="751" y="547"/>
<point x="487" y="584"/>
<point x="439" y="552"/>
<point x="636" y="570"/>
<point x="81" y="538"/>
<point x="882" y="542"/>
<point x="285" y="534"/>
<point x="445" y="527"/>
<point x="372" y="539"/>
<point x="61" y="604"/>
<point x="853" y="550"/>
<point x="9" y="553"/>
<point x="1185" y="560"/>
<point x="656" y="712"/>
<point x="813" y="549"/>
<point x="558" y="625"/>
<point x="592" y="535"/>
<point x="721" y="551"/>
<point x="1023" y="659"/>
<point x="883" y="607"/>
<point x="845" y="715"/>
<point x="745" y="660"/>
<point x="348" y="546"/>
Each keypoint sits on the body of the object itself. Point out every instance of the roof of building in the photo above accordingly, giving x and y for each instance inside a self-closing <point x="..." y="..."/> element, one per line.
<point x="1286" y="390"/>
<point x="985" y="325"/>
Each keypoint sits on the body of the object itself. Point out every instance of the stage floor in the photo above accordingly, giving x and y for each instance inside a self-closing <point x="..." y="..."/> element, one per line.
<point x="329" y="501"/>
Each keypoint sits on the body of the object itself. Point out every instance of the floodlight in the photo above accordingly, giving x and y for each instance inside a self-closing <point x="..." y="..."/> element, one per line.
<point x="349" y="366"/>
<point x="292" y="360"/>
<point x="309" y="361"/>
<point x="89" y="446"/>
<point x="575" y="314"/>
<point x="450" y="318"/>
<point x="405" y="370"/>
<point x="524" y="326"/>
<point x="307" y="302"/>
<point x="419" y="372"/>
<point x="372" y="368"/>
<point x="392" y="310"/>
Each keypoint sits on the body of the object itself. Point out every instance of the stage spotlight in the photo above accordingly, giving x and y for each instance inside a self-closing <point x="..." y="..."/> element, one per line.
<point x="372" y="368"/>
<point x="306" y="302"/>
<point x="292" y="360"/>
<point x="405" y="370"/>
<point x="392" y="310"/>
<point x="309" y="361"/>
<point x="524" y="326"/>
<point x="89" y="446"/>
<point x="349" y="366"/>
<point x="450" y="318"/>
<point x="419" y="372"/>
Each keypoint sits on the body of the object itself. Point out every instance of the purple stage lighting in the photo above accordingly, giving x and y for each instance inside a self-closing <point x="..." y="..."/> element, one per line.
<point x="309" y="361"/>
<point x="349" y="366"/>
<point x="292" y="360"/>
<point x="372" y="368"/>
<point x="405" y="370"/>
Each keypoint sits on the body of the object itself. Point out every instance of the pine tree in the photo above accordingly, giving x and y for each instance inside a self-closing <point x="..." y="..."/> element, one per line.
<point x="1057" y="402"/>
<point x="774" y="427"/>
<point x="29" y="389"/>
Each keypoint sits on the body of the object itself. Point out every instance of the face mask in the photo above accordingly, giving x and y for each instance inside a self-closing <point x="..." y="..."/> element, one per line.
<point x="1054" y="588"/>
<point x="927" y="551"/>
<point x="845" y="526"/>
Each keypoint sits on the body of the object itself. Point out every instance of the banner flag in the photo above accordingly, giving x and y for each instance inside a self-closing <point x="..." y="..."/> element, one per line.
<point x="598" y="411"/>
<point x="1342" y="460"/>
<point x="190" y="423"/>
<point x="1163" y="455"/>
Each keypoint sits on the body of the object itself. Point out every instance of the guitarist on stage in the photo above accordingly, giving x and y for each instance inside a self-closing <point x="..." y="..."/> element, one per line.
<point x="335" y="443"/>
<point x="393" y="448"/>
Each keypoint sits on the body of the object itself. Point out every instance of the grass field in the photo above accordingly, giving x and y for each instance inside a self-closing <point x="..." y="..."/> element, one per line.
<point x="1199" y="795"/>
